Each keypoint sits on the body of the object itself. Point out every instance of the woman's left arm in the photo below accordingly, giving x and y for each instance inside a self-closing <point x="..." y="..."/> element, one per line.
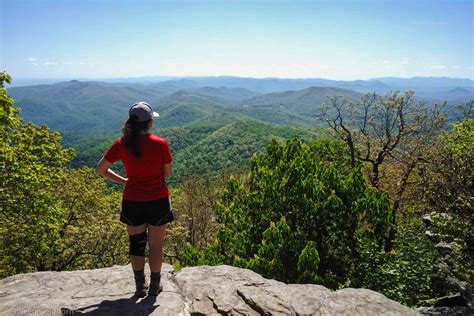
<point x="103" y="170"/>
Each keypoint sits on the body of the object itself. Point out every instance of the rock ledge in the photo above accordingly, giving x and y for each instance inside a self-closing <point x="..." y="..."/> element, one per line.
<point x="202" y="290"/>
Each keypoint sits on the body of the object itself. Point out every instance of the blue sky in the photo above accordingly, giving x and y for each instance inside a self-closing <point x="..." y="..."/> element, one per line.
<point x="293" y="39"/>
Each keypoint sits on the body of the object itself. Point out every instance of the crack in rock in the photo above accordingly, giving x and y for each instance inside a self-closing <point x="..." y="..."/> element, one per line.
<point x="216" y="307"/>
<point x="253" y="305"/>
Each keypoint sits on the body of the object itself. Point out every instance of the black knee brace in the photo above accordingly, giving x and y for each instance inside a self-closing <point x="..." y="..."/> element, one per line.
<point x="138" y="244"/>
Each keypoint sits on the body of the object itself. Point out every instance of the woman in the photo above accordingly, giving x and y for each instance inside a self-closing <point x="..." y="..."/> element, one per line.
<point x="145" y="203"/>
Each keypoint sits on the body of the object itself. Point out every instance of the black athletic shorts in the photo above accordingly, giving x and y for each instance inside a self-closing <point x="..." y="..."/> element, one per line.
<point x="155" y="212"/>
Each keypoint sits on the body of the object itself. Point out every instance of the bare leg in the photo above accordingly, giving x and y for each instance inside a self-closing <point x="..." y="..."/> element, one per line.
<point x="155" y="242"/>
<point x="138" y="263"/>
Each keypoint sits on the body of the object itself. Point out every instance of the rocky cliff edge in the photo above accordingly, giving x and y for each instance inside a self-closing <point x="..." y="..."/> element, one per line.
<point x="202" y="290"/>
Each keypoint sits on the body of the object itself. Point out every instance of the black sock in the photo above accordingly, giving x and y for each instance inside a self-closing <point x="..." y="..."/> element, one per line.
<point x="155" y="283"/>
<point x="155" y="275"/>
<point x="139" y="275"/>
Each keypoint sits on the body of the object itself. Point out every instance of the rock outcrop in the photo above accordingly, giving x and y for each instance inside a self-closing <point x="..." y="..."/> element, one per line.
<point x="199" y="290"/>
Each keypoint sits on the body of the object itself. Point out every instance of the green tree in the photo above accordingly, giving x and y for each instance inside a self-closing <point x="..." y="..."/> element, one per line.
<point x="30" y="159"/>
<point x="297" y="217"/>
<point x="90" y="234"/>
<point x="51" y="218"/>
<point x="447" y="198"/>
<point x="405" y="274"/>
<point x="194" y="204"/>
<point x="8" y="113"/>
<point x="390" y="135"/>
<point x="417" y="270"/>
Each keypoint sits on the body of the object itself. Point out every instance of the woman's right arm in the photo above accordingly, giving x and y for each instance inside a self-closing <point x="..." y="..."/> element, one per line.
<point x="103" y="169"/>
<point x="167" y="170"/>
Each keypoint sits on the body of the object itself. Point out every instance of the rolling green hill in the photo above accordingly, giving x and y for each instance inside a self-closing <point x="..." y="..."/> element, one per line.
<point x="181" y="115"/>
<point x="86" y="93"/>
<point x="214" y="147"/>
<point x="189" y="97"/>
<point x="302" y="102"/>
<point x="78" y="106"/>
<point x="233" y="94"/>
<point x="206" y="133"/>
<point x="97" y="107"/>
<point x="211" y="145"/>
<point x="278" y="116"/>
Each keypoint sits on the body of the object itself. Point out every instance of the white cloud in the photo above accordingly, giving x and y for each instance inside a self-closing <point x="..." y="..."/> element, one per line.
<point x="439" y="67"/>
<point x="385" y="62"/>
<point x="404" y="61"/>
<point x="457" y="67"/>
<point x="33" y="61"/>
<point x="50" y="63"/>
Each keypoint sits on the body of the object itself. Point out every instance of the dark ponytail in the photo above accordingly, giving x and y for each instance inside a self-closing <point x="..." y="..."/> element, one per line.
<point x="131" y="135"/>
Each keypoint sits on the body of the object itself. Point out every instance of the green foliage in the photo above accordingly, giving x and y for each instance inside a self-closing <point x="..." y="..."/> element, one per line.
<point x="308" y="263"/>
<point x="447" y="186"/>
<point x="297" y="218"/>
<point x="89" y="147"/>
<point x="461" y="141"/>
<point x="194" y="257"/>
<point x="300" y="102"/>
<point x="75" y="106"/>
<point x="31" y="158"/>
<point x="89" y="209"/>
<point x="274" y="251"/>
<point x="331" y="153"/>
<point x="93" y="107"/>
<point x="455" y="264"/>
<point x="452" y="175"/>
<point x="8" y="113"/>
<point x="194" y="226"/>
<point x="51" y="218"/>
<point x="212" y="148"/>
<point x="415" y="271"/>
<point x="198" y="149"/>
<point x="277" y="116"/>
<point x="405" y="274"/>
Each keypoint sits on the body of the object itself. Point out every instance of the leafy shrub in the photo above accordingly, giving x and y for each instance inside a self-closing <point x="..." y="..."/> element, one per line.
<point x="406" y="273"/>
<point x="297" y="217"/>
<point x="52" y="218"/>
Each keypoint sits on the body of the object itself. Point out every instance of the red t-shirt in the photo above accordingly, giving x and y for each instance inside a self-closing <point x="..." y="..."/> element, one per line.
<point x="145" y="175"/>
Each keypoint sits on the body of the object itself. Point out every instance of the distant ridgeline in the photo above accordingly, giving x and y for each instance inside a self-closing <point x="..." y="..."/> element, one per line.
<point x="211" y="123"/>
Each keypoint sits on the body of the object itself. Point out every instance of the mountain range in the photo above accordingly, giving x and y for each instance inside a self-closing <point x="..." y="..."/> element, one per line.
<point x="212" y="123"/>
<point x="78" y="105"/>
<point x="434" y="88"/>
<point x="98" y="106"/>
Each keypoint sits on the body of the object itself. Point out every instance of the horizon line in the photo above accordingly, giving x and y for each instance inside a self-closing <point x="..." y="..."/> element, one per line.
<point x="224" y="76"/>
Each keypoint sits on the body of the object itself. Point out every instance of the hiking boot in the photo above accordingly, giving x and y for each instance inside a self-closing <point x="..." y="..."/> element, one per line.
<point x="140" y="283"/>
<point x="155" y="284"/>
